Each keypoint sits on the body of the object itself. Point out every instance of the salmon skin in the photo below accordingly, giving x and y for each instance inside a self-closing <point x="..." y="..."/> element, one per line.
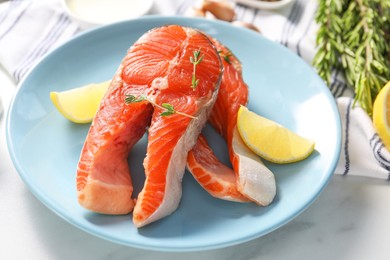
<point x="159" y="66"/>
<point x="249" y="180"/>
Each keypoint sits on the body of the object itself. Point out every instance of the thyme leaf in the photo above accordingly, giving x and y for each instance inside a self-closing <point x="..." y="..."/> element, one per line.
<point x="195" y="60"/>
<point x="226" y="56"/>
<point x="133" y="99"/>
<point x="168" y="109"/>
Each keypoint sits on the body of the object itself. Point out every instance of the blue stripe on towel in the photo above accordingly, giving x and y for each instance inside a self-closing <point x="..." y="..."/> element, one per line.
<point x="184" y="7"/>
<point x="378" y="147"/>
<point x="11" y="7"/>
<point x="43" y="46"/>
<point x="291" y="22"/>
<point x="16" y="20"/>
<point x="346" y="141"/>
<point x="337" y="86"/>
<point x="307" y="27"/>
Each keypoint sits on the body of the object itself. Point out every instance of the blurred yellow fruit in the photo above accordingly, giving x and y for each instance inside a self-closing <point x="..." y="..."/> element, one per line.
<point x="381" y="115"/>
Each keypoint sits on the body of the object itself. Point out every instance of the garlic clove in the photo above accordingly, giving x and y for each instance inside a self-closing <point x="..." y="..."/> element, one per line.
<point x="221" y="10"/>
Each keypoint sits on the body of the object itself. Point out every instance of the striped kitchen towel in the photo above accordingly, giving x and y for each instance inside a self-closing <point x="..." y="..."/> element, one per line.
<point x="28" y="30"/>
<point x="31" y="28"/>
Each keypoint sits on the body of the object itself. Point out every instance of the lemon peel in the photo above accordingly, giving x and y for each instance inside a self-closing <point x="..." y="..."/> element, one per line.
<point x="80" y="104"/>
<point x="271" y="140"/>
<point x="381" y="115"/>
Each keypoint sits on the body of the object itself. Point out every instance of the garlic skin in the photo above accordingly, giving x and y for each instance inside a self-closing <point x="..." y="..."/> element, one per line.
<point x="221" y="10"/>
<point x="246" y="25"/>
<point x="195" y="12"/>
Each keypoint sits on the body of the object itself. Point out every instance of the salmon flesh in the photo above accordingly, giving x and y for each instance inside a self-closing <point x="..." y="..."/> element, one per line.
<point x="250" y="179"/>
<point x="158" y="68"/>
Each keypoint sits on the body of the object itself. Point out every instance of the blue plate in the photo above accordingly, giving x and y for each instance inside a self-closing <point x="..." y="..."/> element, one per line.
<point x="45" y="147"/>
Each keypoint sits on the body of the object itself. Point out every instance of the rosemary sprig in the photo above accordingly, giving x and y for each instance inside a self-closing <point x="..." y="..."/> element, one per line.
<point x="366" y="39"/>
<point x="195" y="60"/>
<point x="354" y="36"/>
<point x="329" y="37"/>
<point x="168" y="109"/>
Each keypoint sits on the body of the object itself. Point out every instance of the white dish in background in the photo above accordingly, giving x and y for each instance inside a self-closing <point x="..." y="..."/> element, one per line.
<point x="264" y="4"/>
<point x="92" y="13"/>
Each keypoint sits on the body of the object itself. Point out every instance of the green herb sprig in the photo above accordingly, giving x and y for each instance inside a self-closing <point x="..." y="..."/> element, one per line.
<point x="168" y="109"/>
<point x="329" y="37"/>
<point x="354" y="36"/>
<point x="226" y="56"/>
<point x="195" y="60"/>
<point x="133" y="99"/>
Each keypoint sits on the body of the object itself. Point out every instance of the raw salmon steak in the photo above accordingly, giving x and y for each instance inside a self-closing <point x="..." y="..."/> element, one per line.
<point x="215" y="177"/>
<point x="157" y="70"/>
<point x="249" y="179"/>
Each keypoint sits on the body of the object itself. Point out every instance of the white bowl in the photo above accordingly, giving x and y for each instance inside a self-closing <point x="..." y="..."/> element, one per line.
<point x="92" y="13"/>
<point x="264" y="4"/>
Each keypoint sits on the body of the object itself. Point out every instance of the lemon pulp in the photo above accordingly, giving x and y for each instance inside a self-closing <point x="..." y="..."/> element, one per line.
<point x="79" y="105"/>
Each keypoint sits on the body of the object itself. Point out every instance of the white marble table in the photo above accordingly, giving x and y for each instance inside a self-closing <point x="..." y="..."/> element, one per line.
<point x="350" y="220"/>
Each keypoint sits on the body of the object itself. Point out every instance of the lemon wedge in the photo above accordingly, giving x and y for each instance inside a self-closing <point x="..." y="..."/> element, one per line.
<point x="79" y="105"/>
<point x="270" y="140"/>
<point x="381" y="115"/>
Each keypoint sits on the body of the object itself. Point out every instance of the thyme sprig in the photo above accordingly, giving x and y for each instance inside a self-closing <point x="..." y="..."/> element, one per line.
<point x="133" y="99"/>
<point x="195" y="60"/>
<point x="168" y="109"/>
<point x="354" y="36"/>
<point x="226" y="56"/>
